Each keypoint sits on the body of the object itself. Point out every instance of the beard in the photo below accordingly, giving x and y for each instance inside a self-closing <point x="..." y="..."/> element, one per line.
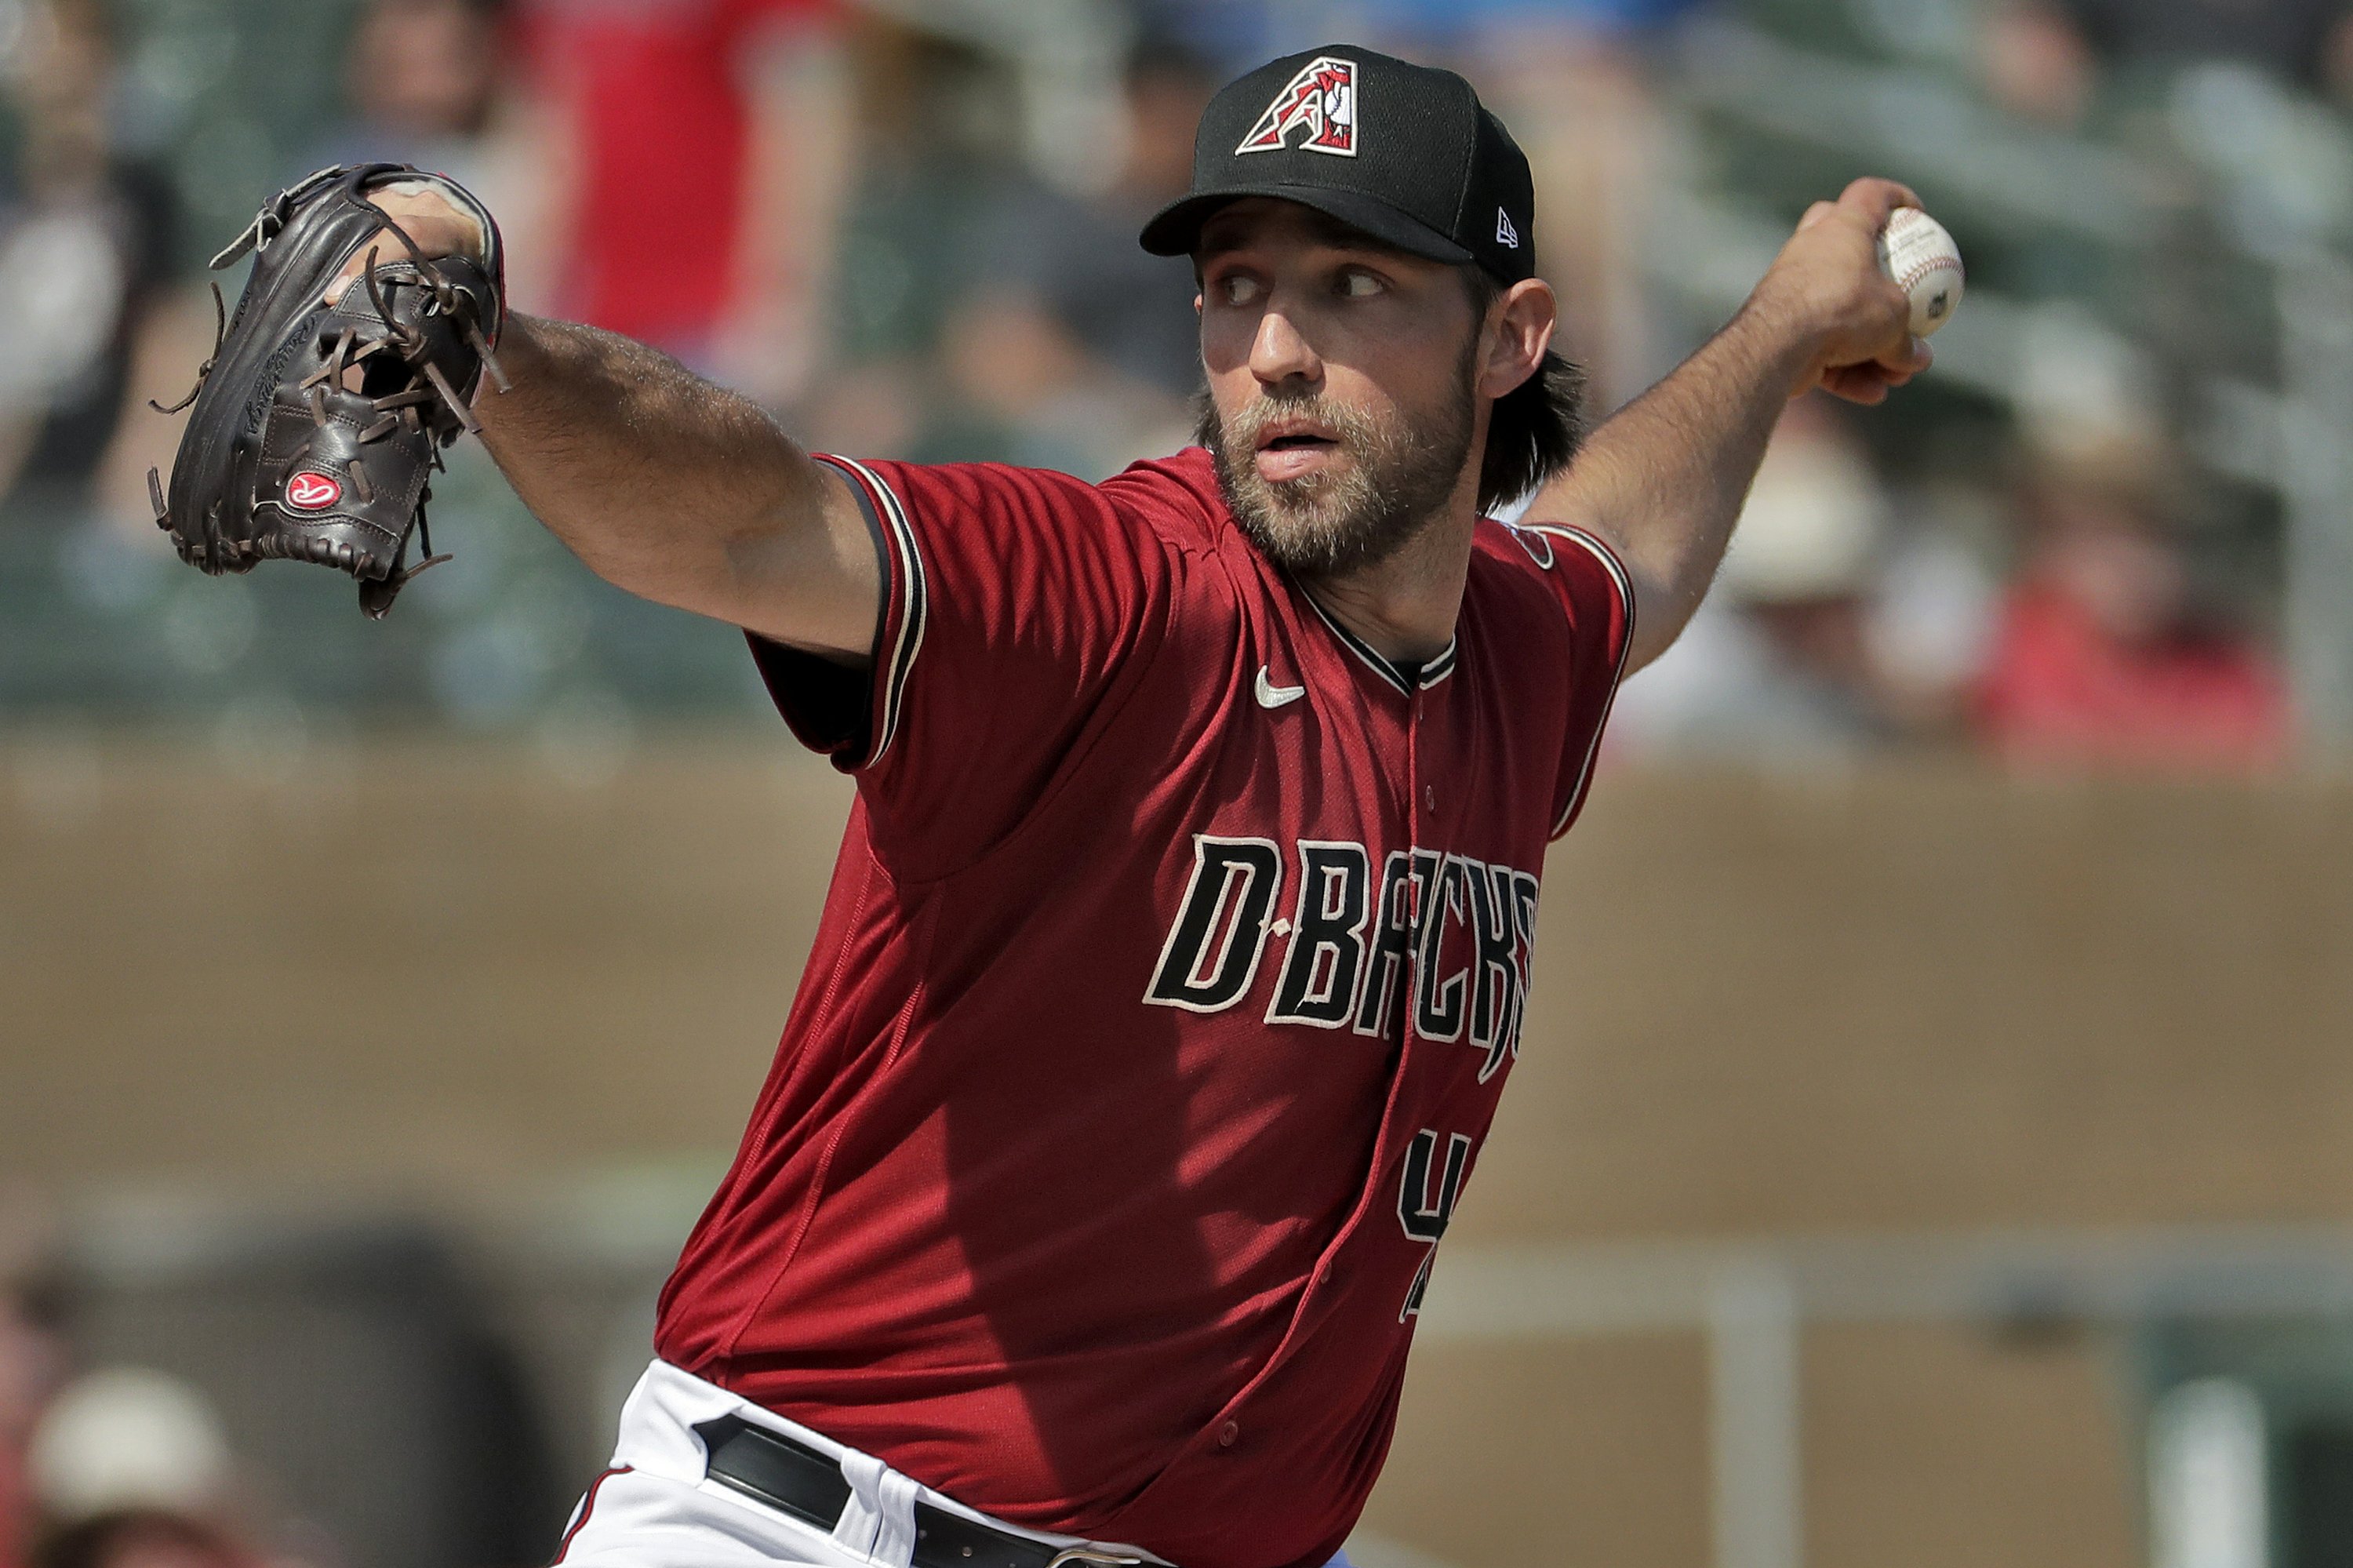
<point x="1398" y="478"/>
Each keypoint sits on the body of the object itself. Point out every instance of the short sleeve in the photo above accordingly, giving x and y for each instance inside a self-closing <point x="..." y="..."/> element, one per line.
<point x="1592" y="588"/>
<point x="1015" y="604"/>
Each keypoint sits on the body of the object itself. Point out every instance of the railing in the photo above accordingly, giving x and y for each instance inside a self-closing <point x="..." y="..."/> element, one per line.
<point x="1753" y="1300"/>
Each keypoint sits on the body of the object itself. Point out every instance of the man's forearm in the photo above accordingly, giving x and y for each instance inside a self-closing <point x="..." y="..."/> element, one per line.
<point x="675" y="489"/>
<point x="1662" y="480"/>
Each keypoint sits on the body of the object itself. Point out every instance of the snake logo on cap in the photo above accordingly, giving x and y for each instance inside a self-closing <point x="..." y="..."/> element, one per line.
<point x="1322" y="97"/>
<point x="311" y="491"/>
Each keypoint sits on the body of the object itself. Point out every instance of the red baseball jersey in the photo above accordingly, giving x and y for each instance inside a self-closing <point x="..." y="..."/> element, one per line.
<point x="1174" y="960"/>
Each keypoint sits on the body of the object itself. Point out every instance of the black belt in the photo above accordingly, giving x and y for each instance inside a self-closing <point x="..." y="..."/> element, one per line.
<point x="795" y="1478"/>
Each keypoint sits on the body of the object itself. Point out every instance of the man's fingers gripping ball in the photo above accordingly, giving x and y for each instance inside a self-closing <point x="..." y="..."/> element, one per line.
<point x="1876" y="199"/>
<point x="1870" y="312"/>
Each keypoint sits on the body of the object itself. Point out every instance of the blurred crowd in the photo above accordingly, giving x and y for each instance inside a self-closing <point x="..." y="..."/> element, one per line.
<point x="114" y="1468"/>
<point x="328" y="1392"/>
<point x="909" y="230"/>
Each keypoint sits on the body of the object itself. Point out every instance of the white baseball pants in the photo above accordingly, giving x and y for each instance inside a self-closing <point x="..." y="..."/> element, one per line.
<point x="656" y="1508"/>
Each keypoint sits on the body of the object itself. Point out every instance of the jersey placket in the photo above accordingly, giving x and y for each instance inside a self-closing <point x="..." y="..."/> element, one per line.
<point x="1330" y="1285"/>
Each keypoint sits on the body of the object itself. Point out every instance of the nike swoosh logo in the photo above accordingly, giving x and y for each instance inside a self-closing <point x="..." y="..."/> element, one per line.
<point x="1270" y="695"/>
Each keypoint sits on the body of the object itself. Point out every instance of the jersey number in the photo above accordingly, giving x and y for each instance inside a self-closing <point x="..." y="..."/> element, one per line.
<point x="1424" y="1213"/>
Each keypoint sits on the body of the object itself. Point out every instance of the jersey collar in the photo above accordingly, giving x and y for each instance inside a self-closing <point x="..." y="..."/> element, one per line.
<point x="1436" y="670"/>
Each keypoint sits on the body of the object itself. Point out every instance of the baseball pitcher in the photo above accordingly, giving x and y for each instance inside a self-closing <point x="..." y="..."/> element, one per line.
<point x="1179" y="944"/>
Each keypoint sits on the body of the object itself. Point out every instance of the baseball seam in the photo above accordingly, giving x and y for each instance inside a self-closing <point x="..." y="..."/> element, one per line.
<point x="1918" y="271"/>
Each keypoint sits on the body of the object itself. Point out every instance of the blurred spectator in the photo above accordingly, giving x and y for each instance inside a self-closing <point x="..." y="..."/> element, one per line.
<point x="2105" y="655"/>
<point x="2037" y="63"/>
<point x="1079" y="348"/>
<point x="939" y="166"/>
<point x="1777" y="665"/>
<point x="2043" y="55"/>
<point x="1574" y="81"/>
<point x="86" y="239"/>
<point x="32" y="1363"/>
<point x="130" y="1469"/>
<point x="1240" y="34"/>
<point x="437" y="83"/>
<point x="1074" y="265"/>
<point x="125" y="1437"/>
<point x="143" y="1538"/>
<point x="1930" y="627"/>
<point x="702" y="147"/>
<point x="424" y="76"/>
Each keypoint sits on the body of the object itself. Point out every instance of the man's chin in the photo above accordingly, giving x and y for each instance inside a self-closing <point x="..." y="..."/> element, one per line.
<point x="1303" y="540"/>
<point x="1298" y="503"/>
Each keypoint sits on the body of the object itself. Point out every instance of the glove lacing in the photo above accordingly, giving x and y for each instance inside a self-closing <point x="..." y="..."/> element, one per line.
<point x="394" y="409"/>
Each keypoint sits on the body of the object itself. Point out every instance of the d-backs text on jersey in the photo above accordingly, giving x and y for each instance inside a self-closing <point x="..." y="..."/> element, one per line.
<point x="1449" y="936"/>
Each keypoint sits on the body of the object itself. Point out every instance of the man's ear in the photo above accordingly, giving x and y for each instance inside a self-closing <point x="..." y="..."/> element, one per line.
<point x="1518" y="330"/>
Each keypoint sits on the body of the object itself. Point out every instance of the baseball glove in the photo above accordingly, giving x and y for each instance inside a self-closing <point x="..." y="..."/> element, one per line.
<point x="313" y="428"/>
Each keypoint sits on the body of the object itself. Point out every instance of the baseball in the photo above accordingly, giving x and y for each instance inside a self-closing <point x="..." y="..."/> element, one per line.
<point x="1915" y="251"/>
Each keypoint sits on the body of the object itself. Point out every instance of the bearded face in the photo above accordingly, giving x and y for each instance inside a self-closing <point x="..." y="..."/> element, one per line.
<point x="1398" y="472"/>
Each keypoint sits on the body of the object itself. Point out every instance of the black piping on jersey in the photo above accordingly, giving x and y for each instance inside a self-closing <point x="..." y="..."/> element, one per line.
<point x="1603" y="553"/>
<point x="1437" y="670"/>
<point x="913" y="596"/>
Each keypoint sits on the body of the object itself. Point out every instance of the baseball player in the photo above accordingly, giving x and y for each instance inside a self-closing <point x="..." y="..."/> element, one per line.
<point x="1179" y="944"/>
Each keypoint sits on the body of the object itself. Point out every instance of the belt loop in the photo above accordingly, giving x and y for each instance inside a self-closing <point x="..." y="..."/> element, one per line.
<point x="878" y="1523"/>
<point x="861" y="1517"/>
<point x="894" y="1546"/>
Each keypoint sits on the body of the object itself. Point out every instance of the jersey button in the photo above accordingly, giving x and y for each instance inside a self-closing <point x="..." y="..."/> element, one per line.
<point x="1429" y="796"/>
<point x="1227" y="1433"/>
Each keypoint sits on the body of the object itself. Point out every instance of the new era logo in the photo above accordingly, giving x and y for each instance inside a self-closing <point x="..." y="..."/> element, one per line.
<point x="1504" y="233"/>
<point x="1323" y="99"/>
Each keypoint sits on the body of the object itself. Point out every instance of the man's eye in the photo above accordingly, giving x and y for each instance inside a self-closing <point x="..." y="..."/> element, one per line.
<point x="1357" y="285"/>
<point x="1238" y="289"/>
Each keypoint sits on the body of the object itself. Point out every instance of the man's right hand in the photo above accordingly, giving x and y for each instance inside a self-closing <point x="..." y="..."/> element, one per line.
<point x="1851" y="325"/>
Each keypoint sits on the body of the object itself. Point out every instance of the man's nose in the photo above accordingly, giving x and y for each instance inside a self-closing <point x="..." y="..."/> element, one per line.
<point x="1281" y="353"/>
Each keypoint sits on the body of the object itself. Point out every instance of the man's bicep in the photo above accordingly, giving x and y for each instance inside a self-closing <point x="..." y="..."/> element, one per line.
<point x="1658" y="609"/>
<point x="1654" y="606"/>
<point x="1601" y="615"/>
<point x="813" y="584"/>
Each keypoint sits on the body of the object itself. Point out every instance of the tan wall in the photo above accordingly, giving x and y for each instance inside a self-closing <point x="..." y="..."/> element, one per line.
<point x="1935" y="1001"/>
<point x="1895" y="1001"/>
<point x="412" y="964"/>
<point x="1534" y="1454"/>
<point x="1927" y="1448"/>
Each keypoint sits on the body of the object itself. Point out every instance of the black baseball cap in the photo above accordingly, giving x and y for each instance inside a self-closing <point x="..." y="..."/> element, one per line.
<point x="1405" y="152"/>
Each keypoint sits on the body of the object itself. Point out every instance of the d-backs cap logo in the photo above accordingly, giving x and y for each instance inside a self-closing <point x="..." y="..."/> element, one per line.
<point x="1322" y="97"/>
<point x="312" y="491"/>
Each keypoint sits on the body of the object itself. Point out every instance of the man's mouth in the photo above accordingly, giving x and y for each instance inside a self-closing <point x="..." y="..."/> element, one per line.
<point x="1288" y="450"/>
